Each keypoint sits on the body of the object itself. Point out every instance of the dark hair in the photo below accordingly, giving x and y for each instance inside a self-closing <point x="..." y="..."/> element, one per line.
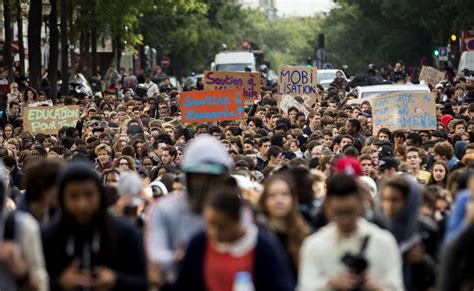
<point x="400" y="185"/>
<point x="356" y="124"/>
<point x="342" y="185"/>
<point x="39" y="176"/>
<point x="226" y="200"/>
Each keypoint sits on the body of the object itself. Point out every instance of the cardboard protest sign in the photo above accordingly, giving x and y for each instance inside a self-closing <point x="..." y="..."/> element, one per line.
<point x="287" y="101"/>
<point x="42" y="103"/>
<point x="249" y="82"/>
<point x="299" y="81"/>
<point x="49" y="119"/>
<point x="212" y="105"/>
<point x="404" y="110"/>
<point x="431" y="75"/>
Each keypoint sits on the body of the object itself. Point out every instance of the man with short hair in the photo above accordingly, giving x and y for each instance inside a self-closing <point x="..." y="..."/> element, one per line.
<point x="328" y="257"/>
<point x="275" y="156"/>
<point x="151" y="87"/>
<point x="444" y="151"/>
<point x="366" y="164"/>
<point x="263" y="145"/>
<point x="168" y="155"/>
<point x="314" y="123"/>
<point x="414" y="162"/>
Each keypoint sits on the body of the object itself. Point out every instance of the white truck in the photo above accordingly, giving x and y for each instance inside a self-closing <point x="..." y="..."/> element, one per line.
<point x="234" y="61"/>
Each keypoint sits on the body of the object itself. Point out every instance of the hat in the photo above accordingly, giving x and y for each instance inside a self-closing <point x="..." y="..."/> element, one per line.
<point x="445" y="119"/>
<point x="371" y="184"/>
<point x="99" y="128"/>
<point x="91" y="122"/>
<point x="160" y="185"/>
<point x="388" y="163"/>
<point x="382" y="143"/>
<point x="439" y="86"/>
<point x="205" y="155"/>
<point x="385" y="151"/>
<point x="348" y="165"/>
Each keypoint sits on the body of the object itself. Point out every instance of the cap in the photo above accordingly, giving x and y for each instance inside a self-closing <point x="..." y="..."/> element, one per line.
<point x="91" y="122"/>
<point x="348" y="165"/>
<point x="388" y="163"/>
<point x="99" y="128"/>
<point x="385" y="151"/>
<point x="206" y="155"/>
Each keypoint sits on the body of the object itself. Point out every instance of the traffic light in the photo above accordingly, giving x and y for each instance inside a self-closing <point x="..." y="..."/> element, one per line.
<point x="454" y="37"/>
<point x="436" y="52"/>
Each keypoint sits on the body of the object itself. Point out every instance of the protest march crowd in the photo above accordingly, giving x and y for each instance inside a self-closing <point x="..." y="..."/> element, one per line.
<point x="132" y="197"/>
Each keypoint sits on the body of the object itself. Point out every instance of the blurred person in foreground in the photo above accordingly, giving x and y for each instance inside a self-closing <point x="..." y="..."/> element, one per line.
<point x="346" y="254"/>
<point x="21" y="258"/>
<point x="85" y="247"/>
<point x="174" y="220"/>
<point x="215" y="257"/>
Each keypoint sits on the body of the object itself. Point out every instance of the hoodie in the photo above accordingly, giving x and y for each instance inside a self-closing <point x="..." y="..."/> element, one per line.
<point x="106" y="241"/>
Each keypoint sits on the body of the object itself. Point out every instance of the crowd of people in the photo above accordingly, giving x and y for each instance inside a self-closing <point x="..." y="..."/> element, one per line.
<point x="131" y="198"/>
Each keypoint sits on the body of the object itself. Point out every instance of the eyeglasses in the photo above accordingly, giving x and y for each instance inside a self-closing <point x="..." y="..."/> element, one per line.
<point x="123" y="163"/>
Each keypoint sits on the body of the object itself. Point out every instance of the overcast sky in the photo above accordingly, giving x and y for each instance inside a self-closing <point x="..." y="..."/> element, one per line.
<point x="290" y="8"/>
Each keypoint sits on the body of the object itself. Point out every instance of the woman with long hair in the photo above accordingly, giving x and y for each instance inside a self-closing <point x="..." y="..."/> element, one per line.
<point x="439" y="174"/>
<point x="8" y="131"/>
<point x="279" y="205"/>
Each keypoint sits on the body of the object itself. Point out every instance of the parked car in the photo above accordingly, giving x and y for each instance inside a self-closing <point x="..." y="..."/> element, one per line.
<point x="368" y="92"/>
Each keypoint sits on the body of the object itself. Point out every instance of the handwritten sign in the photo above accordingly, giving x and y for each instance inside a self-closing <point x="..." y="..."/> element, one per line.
<point x="212" y="105"/>
<point x="49" y="119"/>
<point x="299" y="81"/>
<point x="286" y="102"/>
<point x="42" y="103"/>
<point x="249" y="82"/>
<point x="409" y="111"/>
<point x="431" y="75"/>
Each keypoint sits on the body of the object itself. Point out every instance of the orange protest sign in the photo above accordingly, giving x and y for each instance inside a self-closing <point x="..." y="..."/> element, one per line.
<point x="212" y="105"/>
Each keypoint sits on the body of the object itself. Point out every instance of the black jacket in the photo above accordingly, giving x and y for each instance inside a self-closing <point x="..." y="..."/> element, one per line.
<point x="457" y="265"/>
<point x="125" y="255"/>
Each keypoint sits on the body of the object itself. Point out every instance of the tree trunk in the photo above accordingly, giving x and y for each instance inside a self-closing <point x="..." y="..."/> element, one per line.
<point x="21" y="47"/>
<point x="34" y="43"/>
<point x="93" y="65"/>
<point x="7" y="50"/>
<point x="64" y="47"/>
<point x="53" y="49"/>
<point x="119" y="53"/>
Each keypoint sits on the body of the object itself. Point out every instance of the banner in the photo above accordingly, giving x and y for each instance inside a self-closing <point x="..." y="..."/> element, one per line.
<point x="431" y="75"/>
<point x="49" y="119"/>
<point x="42" y="103"/>
<point x="299" y="81"/>
<point x="212" y="105"/>
<point x="286" y="102"/>
<point x="409" y="111"/>
<point x="249" y="82"/>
